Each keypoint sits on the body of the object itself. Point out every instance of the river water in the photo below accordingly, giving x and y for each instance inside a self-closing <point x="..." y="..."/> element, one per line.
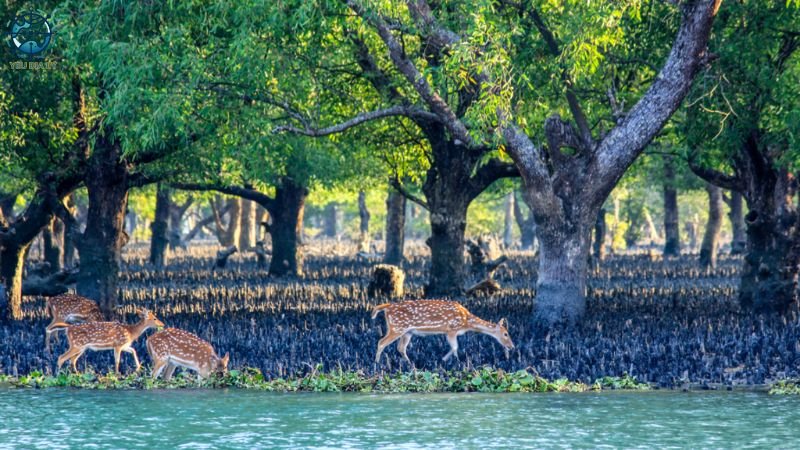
<point x="63" y="418"/>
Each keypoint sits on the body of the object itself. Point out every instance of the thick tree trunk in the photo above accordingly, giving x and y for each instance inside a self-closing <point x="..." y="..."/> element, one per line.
<point x="736" y="215"/>
<point x="600" y="235"/>
<point x="508" y="220"/>
<point x="52" y="247"/>
<point x="247" y="238"/>
<point x="107" y="184"/>
<point x="12" y="262"/>
<point x="363" y="224"/>
<point x="672" y="238"/>
<point x="709" y="247"/>
<point x="563" y="254"/>
<point x="286" y="226"/>
<point x="769" y="278"/>
<point x="331" y="220"/>
<point x="447" y="272"/>
<point x="395" y="228"/>
<point x="159" y="226"/>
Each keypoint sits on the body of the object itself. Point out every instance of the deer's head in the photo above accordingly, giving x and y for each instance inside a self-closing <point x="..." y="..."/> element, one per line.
<point x="150" y="320"/>
<point x="500" y="333"/>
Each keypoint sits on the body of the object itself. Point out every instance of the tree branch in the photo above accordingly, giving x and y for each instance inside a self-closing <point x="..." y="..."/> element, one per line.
<point x="402" y="190"/>
<point x="585" y="135"/>
<point x="490" y="172"/>
<point x="413" y="75"/>
<point x="250" y="194"/>
<point x="716" y="177"/>
<point x="617" y="151"/>
<point x="399" y="110"/>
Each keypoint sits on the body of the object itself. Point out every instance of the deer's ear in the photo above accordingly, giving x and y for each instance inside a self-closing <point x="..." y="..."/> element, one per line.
<point x="502" y="322"/>
<point x="225" y="359"/>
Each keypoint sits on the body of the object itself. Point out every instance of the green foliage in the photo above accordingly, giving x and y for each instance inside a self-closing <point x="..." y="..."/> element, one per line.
<point x="625" y="382"/>
<point x="485" y="379"/>
<point x="785" y="387"/>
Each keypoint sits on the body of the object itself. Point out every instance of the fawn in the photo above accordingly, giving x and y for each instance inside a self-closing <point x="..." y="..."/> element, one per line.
<point x="172" y="347"/>
<point x="70" y="309"/>
<point x="427" y="317"/>
<point x="106" y="336"/>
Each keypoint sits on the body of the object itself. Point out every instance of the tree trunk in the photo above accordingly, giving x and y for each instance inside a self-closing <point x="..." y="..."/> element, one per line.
<point x="527" y="226"/>
<point x="7" y="202"/>
<point x="107" y="184"/>
<point x="158" y="240"/>
<point x="261" y="217"/>
<point x="70" y="233"/>
<point x="363" y="225"/>
<point x="708" y="249"/>
<point x="12" y="262"/>
<point x="286" y="226"/>
<point x="448" y="224"/>
<point x="52" y="247"/>
<point x="330" y="225"/>
<point x="230" y="235"/>
<point x="769" y="278"/>
<point x="563" y="254"/>
<point x="395" y="228"/>
<point x="508" y="220"/>
<point x="247" y="238"/>
<point x="672" y="243"/>
<point x="736" y="215"/>
<point x="600" y="235"/>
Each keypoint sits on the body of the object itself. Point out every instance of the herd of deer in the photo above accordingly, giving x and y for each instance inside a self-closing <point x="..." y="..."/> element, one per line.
<point x="170" y="348"/>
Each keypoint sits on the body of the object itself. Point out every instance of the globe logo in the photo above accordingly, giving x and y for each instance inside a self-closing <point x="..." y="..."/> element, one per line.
<point x="29" y="35"/>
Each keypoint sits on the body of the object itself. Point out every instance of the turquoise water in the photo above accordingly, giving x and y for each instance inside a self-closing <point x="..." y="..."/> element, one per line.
<point x="62" y="418"/>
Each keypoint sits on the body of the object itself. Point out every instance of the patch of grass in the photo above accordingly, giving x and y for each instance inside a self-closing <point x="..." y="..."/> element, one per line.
<point x="485" y="379"/>
<point x="785" y="387"/>
<point x="625" y="382"/>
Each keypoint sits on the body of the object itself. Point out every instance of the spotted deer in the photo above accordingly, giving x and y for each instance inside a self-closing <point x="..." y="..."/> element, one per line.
<point x="69" y="309"/>
<point x="106" y="336"/>
<point x="172" y="347"/>
<point x="428" y="317"/>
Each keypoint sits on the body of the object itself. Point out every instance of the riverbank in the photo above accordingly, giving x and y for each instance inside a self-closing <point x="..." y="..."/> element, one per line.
<point x="317" y="380"/>
<point x="667" y="323"/>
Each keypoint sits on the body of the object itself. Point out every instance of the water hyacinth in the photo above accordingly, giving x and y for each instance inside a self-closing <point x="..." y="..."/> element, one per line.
<point x="666" y="323"/>
<point x="316" y="380"/>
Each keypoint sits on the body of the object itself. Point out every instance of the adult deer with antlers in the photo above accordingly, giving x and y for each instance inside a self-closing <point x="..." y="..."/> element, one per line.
<point x="69" y="309"/>
<point x="427" y="317"/>
<point x="172" y="347"/>
<point x="106" y="336"/>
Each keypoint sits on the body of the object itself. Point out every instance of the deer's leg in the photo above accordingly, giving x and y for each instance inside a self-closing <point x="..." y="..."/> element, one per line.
<point x="47" y="333"/>
<point x="390" y="337"/>
<point x="158" y="366"/>
<point x="75" y="361"/>
<point x="67" y="355"/>
<point x="117" y="352"/>
<point x="403" y="345"/>
<point x="135" y="357"/>
<point x="452" y="339"/>
<point x="170" y="370"/>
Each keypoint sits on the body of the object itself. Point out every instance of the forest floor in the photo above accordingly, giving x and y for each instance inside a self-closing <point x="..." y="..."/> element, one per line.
<point x="668" y="323"/>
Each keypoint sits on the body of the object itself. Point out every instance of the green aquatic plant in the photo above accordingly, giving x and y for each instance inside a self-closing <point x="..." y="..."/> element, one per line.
<point x="785" y="387"/>
<point x="485" y="379"/>
<point x="625" y="382"/>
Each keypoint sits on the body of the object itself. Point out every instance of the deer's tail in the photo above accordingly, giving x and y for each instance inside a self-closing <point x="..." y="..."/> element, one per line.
<point x="376" y="310"/>
<point x="59" y="326"/>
